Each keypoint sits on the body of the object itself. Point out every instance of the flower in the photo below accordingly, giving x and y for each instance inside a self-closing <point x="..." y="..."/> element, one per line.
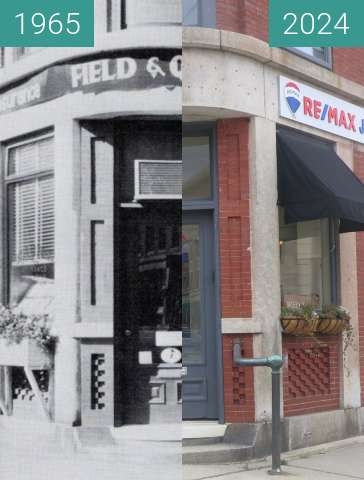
<point x="15" y="326"/>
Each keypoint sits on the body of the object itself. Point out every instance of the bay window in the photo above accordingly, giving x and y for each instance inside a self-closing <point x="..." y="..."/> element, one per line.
<point x="30" y="197"/>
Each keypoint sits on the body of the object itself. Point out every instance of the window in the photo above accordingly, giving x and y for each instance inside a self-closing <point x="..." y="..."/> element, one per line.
<point x="320" y="55"/>
<point x="196" y="152"/>
<point x="30" y="192"/>
<point x="22" y="52"/>
<point x="129" y="13"/>
<point x="115" y="15"/>
<point x="308" y="259"/>
<point x="199" y="13"/>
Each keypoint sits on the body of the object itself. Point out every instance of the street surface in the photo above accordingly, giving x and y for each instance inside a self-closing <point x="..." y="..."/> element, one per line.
<point x="343" y="462"/>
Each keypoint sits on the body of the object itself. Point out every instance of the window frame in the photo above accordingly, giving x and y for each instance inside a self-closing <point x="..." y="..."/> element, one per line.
<point x="206" y="16"/>
<point x="123" y="17"/>
<point x="8" y="181"/>
<point x="334" y="227"/>
<point x="203" y="130"/>
<point x="327" y="62"/>
<point x="27" y="52"/>
<point x="328" y="258"/>
<point x="2" y="57"/>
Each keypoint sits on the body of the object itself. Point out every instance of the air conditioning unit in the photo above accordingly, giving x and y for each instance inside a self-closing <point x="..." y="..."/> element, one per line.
<point x="158" y="180"/>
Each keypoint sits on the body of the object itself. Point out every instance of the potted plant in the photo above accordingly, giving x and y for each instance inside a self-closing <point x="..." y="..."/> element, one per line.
<point x="333" y="320"/>
<point x="300" y="320"/>
<point x="25" y="340"/>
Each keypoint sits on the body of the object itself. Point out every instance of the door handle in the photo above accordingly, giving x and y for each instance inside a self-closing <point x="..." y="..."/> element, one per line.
<point x="128" y="333"/>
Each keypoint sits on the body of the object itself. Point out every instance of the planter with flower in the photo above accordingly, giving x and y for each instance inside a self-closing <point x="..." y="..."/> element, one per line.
<point x="300" y="320"/>
<point x="25" y="340"/>
<point x="305" y="320"/>
<point x="333" y="320"/>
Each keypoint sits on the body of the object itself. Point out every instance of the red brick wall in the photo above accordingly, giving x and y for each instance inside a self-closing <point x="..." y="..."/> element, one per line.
<point x="359" y="170"/>
<point x="236" y="294"/>
<point x="233" y="166"/>
<point x="243" y="16"/>
<point x="349" y="63"/>
<point x="238" y="382"/>
<point x="311" y="380"/>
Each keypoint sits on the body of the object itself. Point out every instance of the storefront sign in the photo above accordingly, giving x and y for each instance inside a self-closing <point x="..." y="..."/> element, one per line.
<point x="97" y="76"/>
<point x="318" y="109"/>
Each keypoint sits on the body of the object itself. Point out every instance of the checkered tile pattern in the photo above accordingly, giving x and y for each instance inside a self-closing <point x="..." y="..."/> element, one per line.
<point x="98" y="390"/>
<point x="22" y="391"/>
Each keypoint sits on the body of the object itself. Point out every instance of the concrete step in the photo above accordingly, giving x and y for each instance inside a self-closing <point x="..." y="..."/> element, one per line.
<point x="216" y="453"/>
<point x="202" y="433"/>
<point x="153" y="433"/>
<point x="90" y="438"/>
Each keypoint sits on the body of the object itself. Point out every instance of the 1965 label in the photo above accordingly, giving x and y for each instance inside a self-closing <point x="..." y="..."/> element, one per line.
<point x="46" y="23"/>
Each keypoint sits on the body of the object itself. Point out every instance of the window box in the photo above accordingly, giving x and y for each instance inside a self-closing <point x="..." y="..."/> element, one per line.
<point x="332" y="326"/>
<point x="333" y="320"/>
<point x="308" y="320"/>
<point x="27" y="353"/>
<point x="299" y="326"/>
<point x="301" y="320"/>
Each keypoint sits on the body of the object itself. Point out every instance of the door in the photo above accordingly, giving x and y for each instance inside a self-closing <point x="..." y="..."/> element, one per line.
<point x="198" y="318"/>
<point x="147" y="279"/>
<point x="149" y="288"/>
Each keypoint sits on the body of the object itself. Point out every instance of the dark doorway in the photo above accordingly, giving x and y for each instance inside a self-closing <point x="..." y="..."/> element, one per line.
<point x="148" y="339"/>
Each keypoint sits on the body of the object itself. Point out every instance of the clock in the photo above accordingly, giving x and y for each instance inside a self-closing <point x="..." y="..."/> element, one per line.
<point x="171" y="355"/>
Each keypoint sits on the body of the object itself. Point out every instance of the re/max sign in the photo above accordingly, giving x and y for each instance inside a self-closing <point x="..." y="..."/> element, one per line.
<point x="310" y="106"/>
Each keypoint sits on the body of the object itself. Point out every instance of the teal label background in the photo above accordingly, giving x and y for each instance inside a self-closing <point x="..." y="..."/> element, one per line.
<point x="10" y="30"/>
<point x="355" y="20"/>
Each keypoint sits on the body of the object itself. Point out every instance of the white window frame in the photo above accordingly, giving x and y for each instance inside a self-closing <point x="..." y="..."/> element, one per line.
<point x="14" y="179"/>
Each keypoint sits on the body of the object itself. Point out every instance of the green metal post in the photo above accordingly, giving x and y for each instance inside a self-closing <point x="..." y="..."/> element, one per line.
<point x="275" y="362"/>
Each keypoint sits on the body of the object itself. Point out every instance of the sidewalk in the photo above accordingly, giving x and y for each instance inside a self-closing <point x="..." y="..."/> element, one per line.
<point x="137" y="456"/>
<point x="341" y="460"/>
<point x="31" y="456"/>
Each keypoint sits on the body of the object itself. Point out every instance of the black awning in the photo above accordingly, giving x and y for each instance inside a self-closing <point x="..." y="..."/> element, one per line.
<point x="313" y="182"/>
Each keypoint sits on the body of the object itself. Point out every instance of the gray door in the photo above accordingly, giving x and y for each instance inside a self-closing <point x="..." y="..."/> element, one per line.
<point x="199" y="390"/>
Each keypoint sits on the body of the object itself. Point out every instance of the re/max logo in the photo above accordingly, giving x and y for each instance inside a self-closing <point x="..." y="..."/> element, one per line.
<point x="332" y="115"/>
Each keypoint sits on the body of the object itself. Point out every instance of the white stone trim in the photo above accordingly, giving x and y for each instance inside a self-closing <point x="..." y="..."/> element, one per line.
<point x="240" y="325"/>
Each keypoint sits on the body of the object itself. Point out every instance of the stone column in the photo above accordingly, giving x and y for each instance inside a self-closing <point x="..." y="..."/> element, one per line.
<point x="265" y="255"/>
<point x="67" y="381"/>
<point x="349" y="299"/>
